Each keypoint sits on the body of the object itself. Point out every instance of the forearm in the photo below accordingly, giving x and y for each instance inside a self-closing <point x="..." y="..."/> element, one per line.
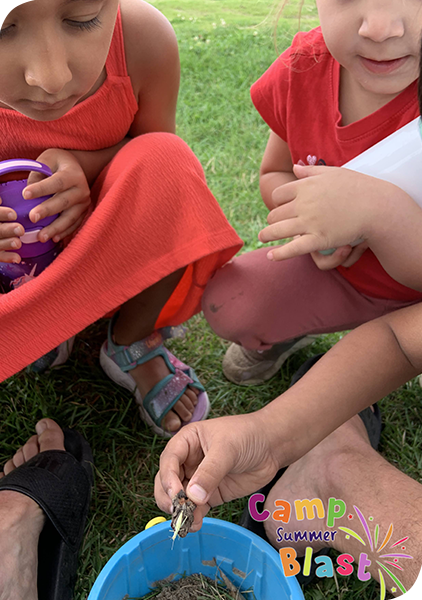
<point x="396" y="239"/>
<point x="268" y="182"/>
<point x="93" y="162"/>
<point x="366" y="365"/>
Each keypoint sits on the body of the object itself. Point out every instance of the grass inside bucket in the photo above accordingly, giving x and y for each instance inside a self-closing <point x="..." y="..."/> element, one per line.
<point x="197" y="587"/>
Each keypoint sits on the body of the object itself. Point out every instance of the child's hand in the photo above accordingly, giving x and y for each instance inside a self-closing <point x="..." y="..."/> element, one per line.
<point x="345" y="256"/>
<point x="10" y="232"/>
<point x="328" y="207"/>
<point x="228" y="458"/>
<point x="70" y="191"/>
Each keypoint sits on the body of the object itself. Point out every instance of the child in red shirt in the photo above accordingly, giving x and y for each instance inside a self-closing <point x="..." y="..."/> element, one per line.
<point x="333" y="94"/>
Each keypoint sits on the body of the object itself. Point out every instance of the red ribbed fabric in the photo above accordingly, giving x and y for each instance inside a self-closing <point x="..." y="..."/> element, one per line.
<point x="100" y="121"/>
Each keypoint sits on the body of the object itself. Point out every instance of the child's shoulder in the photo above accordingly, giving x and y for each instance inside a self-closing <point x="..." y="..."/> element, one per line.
<point x="150" y="41"/>
<point x="152" y="60"/>
<point x="308" y="44"/>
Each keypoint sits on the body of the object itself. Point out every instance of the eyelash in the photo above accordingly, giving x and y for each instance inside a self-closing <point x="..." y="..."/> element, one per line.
<point x="85" y="25"/>
<point x="82" y="25"/>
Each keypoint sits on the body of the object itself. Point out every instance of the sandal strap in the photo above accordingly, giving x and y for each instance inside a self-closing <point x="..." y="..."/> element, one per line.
<point x="163" y="396"/>
<point x="128" y="357"/>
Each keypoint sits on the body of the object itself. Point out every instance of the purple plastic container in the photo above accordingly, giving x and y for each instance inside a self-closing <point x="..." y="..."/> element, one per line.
<point x="36" y="256"/>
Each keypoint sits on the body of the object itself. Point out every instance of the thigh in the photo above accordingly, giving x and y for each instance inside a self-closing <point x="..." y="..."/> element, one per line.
<point x="258" y="302"/>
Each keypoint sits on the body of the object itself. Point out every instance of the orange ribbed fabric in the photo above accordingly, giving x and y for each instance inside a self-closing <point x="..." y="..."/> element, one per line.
<point x="154" y="215"/>
<point x="100" y="121"/>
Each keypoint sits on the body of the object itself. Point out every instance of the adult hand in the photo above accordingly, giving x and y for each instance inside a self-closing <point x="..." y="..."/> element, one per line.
<point x="69" y="190"/>
<point x="216" y="461"/>
<point x="328" y="207"/>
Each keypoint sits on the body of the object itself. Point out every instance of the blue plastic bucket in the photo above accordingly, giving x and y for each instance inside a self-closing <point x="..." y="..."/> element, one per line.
<point x="244" y="557"/>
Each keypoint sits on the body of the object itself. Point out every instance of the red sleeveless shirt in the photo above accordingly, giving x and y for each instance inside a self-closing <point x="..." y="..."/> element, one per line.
<point x="100" y="121"/>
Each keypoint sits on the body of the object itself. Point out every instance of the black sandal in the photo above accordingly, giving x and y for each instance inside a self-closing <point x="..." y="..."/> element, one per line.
<point x="60" y="482"/>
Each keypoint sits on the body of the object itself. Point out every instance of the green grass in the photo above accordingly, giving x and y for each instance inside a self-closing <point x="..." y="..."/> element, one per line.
<point x="225" y="46"/>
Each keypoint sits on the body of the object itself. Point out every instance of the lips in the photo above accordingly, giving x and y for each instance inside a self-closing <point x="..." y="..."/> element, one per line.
<point x="383" y="66"/>
<point x="47" y="105"/>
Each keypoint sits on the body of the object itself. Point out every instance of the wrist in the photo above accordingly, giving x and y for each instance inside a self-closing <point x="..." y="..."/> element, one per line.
<point x="287" y="429"/>
<point x="388" y="205"/>
<point x="269" y="182"/>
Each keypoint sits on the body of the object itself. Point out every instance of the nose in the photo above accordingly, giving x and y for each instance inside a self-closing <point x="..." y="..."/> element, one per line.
<point x="47" y="67"/>
<point x="381" y="24"/>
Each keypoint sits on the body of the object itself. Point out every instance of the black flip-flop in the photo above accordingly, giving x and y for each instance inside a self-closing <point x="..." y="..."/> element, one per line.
<point x="373" y="423"/>
<point x="60" y="482"/>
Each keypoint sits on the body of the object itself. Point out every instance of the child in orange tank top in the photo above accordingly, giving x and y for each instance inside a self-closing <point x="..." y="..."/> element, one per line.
<point x="90" y="89"/>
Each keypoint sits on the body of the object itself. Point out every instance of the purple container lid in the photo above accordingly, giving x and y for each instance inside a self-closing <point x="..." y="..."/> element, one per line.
<point x="11" y="195"/>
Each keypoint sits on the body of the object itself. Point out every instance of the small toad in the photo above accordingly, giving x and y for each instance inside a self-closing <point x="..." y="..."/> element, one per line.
<point x="182" y="518"/>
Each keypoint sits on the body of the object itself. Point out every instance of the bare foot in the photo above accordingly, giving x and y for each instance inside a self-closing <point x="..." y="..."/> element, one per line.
<point x="22" y="520"/>
<point x="309" y="478"/>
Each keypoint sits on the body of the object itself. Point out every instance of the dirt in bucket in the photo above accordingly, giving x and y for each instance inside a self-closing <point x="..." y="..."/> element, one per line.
<point x="197" y="587"/>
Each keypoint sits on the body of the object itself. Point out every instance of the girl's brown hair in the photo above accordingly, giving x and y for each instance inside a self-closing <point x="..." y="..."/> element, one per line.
<point x="279" y="11"/>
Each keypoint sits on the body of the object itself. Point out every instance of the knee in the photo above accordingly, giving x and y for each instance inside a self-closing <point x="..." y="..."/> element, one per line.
<point x="167" y="150"/>
<point x="226" y="305"/>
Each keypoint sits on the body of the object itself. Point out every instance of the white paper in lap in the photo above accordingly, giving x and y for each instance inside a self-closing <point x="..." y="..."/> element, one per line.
<point x="6" y="7"/>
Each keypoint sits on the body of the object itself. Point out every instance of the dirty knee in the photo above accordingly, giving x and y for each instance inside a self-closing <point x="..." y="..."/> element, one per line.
<point x="228" y="310"/>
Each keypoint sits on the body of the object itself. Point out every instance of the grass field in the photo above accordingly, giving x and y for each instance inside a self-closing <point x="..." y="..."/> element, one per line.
<point x="224" y="45"/>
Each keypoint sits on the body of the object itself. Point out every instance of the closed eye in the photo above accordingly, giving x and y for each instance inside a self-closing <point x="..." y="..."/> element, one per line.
<point x="6" y="31"/>
<point x="85" y="25"/>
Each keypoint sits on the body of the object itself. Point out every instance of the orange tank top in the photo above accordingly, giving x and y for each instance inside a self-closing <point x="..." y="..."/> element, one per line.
<point x="100" y="121"/>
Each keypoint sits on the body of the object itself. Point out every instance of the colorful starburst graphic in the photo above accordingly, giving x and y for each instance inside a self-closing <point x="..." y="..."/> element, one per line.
<point x="392" y="558"/>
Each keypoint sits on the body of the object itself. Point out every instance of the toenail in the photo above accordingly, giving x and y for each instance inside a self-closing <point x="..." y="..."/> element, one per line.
<point x="40" y="427"/>
<point x="172" y="423"/>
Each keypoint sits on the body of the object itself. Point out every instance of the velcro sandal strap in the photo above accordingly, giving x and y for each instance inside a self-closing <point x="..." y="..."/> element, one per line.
<point x="178" y="364"/>
<point x="60" y="485"/>
<point x="158" y="401"/>
<point x="128" y="357"/>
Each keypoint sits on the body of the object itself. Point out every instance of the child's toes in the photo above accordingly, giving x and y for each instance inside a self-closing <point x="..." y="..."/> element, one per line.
<point x="192" y="394"/>
<point x="186" y="407"/>
<point x="171" y="421"/>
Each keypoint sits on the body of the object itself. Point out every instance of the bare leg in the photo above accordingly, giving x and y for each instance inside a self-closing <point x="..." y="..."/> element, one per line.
<point x="21" y="522"/>
<point x="344" y="466"/>
<point x="136" y="321"/>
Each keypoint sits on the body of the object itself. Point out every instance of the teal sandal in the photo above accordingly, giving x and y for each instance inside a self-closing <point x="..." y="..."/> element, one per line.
<point x="117" y="361"/>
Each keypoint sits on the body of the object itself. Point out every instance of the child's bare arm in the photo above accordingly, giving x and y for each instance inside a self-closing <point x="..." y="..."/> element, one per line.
<point x="397" y="239"/>
<point x="276" y="168"/>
